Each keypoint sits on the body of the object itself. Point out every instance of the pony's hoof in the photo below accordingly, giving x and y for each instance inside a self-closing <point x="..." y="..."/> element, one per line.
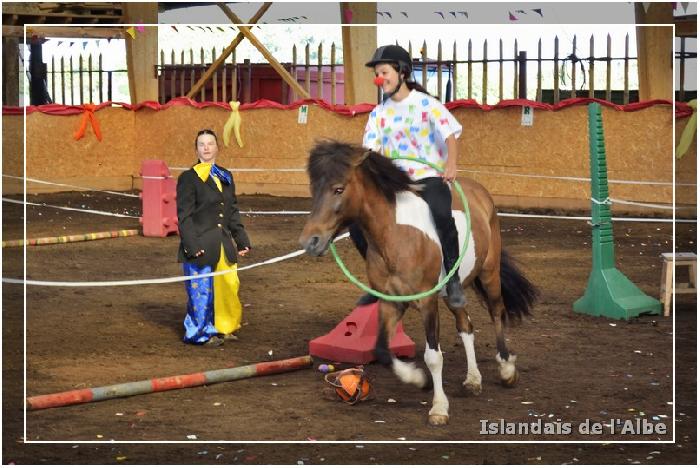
<point x="512" y="380"/>
<point x="438" y="419"/>
<point x="472" y="387"/>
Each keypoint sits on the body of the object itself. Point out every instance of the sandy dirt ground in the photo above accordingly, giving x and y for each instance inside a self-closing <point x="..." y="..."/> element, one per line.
<point x="573" y="367"/>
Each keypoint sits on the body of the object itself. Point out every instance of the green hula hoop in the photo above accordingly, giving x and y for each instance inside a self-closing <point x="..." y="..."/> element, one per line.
<point x="440" y="284"/>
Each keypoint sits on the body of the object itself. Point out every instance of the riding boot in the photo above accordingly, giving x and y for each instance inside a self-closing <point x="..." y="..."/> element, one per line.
<point x="455" y="291"/>
<point x="361" y="244"/>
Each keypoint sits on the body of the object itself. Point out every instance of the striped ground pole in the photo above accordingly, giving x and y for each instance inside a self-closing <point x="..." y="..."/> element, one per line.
<point x="162" y="384"/>
<point x="74" y="238"/>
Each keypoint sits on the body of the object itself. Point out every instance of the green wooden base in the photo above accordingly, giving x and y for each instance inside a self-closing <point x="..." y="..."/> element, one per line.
<point x="610" y="294"/>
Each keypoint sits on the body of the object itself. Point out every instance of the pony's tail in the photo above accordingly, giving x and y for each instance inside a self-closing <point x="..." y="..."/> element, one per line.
<point x="519" y="294"/>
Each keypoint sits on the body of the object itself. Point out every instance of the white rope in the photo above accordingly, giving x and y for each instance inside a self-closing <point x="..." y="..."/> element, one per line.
<point x="588" y="218"/>
<point x="173" y="279"/>
<point x="474" y="171"/>
<point x="46" y="182"/>
<point x="648" y="205"/>
<point x="103" y="213"/>
<point x="603" y="202"/>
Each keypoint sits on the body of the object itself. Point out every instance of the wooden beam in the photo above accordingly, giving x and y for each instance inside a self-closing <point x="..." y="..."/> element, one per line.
<point x="263" y="50"/>
<point x="225" y="54"/>
<point x="686" y="26"/>
<point x="142" y="52"/>
<point x="655" y="51"/>
<point x="359" y="43"/>
<point x="96" y="32"/>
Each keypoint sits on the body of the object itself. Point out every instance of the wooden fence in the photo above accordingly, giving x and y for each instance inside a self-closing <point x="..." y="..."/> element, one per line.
<point x="572" y="73"/>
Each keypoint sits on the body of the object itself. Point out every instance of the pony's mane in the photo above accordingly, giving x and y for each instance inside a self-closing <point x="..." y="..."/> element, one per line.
<point x="330" y="161"/>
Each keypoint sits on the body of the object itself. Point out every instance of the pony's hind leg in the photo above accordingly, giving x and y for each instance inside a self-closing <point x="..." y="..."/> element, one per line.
<point x="491" y="285"/>
<point x="439" y="412"/>
<point x="465" y="329"/>
<point x="389" y="315"/>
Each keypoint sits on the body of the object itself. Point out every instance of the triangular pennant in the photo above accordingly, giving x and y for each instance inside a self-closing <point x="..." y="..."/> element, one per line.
<point x="131" y="32"/>
<point x="140" y="28"/>
<point x="190" y="28"/>
<point x="538" y="11"/>
<point x="684" y="5"/>
<point x="511" y="17"/>
<point x="220" y="29"/>
<point x="646" y="6"/>
<point x="175" y="29"/>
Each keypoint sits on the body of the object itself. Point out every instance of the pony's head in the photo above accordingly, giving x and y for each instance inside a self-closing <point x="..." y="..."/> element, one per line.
<point x="345" y="179"/>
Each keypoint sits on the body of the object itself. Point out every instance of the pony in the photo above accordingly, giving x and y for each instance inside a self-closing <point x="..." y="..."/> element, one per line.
<point x="352" y="185"/>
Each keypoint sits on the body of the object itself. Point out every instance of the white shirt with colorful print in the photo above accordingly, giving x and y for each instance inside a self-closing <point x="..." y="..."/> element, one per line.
<point x="415" y="127"/>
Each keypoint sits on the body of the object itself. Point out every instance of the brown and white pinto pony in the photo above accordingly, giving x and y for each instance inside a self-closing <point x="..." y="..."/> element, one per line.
<point x="352" y="185"/>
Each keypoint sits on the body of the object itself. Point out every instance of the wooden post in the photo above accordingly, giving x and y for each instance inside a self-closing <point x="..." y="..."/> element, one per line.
<point x="454" y="71"/>
<point x="99" y="76"/>
<point x="90" y="76"/>
<point x="608" y="76"/>
<point x="439" y="70"/>
<point x="307" y="69"/>
<point x="319" y="77"/>
<point x="424" y="58"/>
<point x="359" y="43"/>
<point x="142" y="52"/>
<point x="248" y="80"/>
<point x="215" y="78"/>
<point x="202" y="91"/>
<point x="626" y="93"/>
<point x="591" y="69"/>
<point x="485" y="74"/>
<point x="655" y="51"/>
<point x="470" y="73"/>
<point x="294" y="72"/>
<point x="173" y="75"/>
<point x="80" y="78"/>
<point x="262" y="49"/>
<point x="500" y="70"/>
<point x="538" y="97"/>
<point x="556" y="69"/>
<point x="333" y="77"/>
<point x="63" y="81"/>
<point x="573" y="69"/>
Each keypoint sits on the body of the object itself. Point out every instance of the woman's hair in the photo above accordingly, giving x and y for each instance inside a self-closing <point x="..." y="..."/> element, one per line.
<point x="410" y="84"/>
<point x="205" y="131"/>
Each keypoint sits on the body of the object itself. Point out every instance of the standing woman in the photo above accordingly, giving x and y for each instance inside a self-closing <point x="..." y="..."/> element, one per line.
<point x="411" y="123"/>
<point x="211" y="238"/>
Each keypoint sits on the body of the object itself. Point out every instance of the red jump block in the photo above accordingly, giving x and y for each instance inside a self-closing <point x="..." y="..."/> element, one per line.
<point x="158" y="199"/>
<point x="353" y="340"/>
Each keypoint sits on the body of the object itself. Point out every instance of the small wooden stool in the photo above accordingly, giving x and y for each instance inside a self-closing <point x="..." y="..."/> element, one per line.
<point x="667" y="287"/>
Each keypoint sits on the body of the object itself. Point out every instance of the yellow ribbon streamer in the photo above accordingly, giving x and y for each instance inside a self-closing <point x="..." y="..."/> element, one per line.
<point x="233" y="122"/>
<point x="688" y="132"/>
<point x="132" y="32"/>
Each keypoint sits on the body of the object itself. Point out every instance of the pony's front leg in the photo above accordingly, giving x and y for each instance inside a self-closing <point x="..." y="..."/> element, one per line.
<point x="465" y="329"/>
<point x="389" y="315"/>
<point x="439" y="413"/>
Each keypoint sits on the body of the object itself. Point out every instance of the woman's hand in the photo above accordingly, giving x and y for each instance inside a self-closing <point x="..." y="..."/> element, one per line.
<point x="450" y="173"/>
<point x="244" y="252"/>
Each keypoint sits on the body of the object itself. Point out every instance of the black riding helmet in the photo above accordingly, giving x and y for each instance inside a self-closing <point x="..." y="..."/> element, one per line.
<point x="395" y="55"/>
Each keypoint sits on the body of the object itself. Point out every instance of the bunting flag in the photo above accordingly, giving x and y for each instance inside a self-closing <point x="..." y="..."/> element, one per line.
<point x="131" y="32"/>
<point x="405" y="14"/>
<point x="347" y="15"/>
<point x="442" y="15"/>
<point x="175" y="29"/>
<point x="521" y="11"/>
<point x="190" y="28"/>
<point x="464" y="13"/>
<point x="220" y="29"/>
<point x="646" y="6"/>
<point x="511" y="17"/>
<point x="140" y="28"/>
<point x="538" y="11"/>
<point x="684" y="5"/>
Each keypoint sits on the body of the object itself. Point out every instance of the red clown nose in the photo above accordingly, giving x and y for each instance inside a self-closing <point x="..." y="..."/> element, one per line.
<point x="379" y="81"/>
